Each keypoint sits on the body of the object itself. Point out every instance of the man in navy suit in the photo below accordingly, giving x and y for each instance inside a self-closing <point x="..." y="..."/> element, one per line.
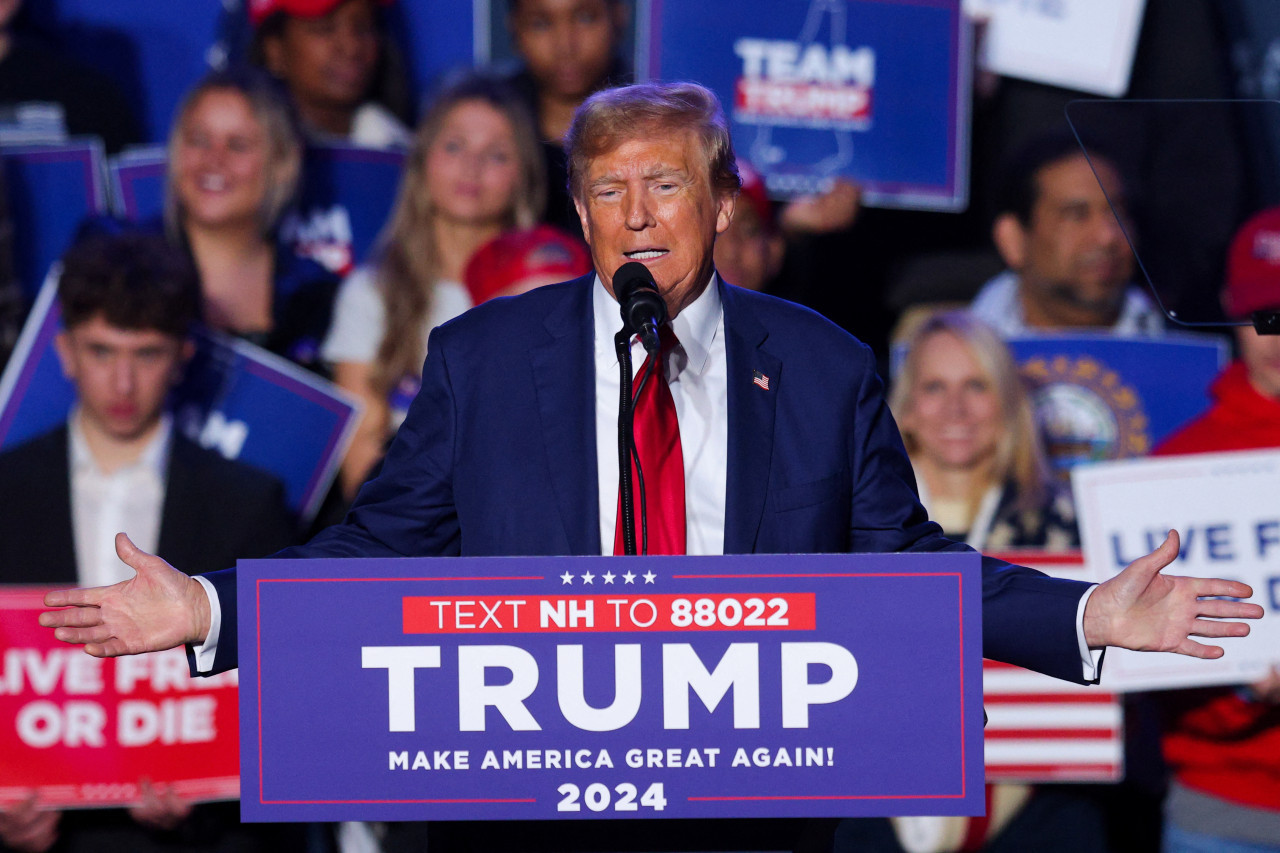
<point x="787" y="445"/>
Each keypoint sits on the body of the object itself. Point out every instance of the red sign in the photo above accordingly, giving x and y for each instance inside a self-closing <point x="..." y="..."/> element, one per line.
<point x="84" y="731"/>
<point x="524" y="614"/>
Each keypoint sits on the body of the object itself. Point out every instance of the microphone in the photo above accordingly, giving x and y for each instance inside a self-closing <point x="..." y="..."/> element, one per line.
<point x="643" y="309"/>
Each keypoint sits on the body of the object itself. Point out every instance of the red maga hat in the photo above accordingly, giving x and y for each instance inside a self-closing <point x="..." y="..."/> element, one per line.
<point x="540" y="252"/>
<point x="1253" y="266"/>
<point x="260" y="10"/>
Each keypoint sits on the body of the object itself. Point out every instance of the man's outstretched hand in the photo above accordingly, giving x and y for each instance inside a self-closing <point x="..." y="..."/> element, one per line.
<point x="1145" y="610"/>
<point x="159" y="608"/>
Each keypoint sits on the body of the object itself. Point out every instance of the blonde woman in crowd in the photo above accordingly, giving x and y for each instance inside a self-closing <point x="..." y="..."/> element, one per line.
<point x="970" y="432"/>
<point x="474" y="171"/>
<point x="235" y="156"/>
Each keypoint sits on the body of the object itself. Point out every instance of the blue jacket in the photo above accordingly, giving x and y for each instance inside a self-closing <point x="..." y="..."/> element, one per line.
<point x="498" y="457"/>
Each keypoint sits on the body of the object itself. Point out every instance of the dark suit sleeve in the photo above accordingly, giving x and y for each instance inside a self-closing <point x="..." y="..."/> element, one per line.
<point x="408" y="509"/>
<point x="1029" y="618"/>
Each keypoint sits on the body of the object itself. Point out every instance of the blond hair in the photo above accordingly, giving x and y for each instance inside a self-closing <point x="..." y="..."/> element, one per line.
<point x="1019" y="456"/>
<point x="408" y="261"/>
<point x="273" y="110"/>
<point x="612" y="116"/>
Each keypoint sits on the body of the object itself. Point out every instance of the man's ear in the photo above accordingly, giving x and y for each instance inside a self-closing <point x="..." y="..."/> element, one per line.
<point x="1011" y="240"/>
<point x="581" y="206"/>
<point x="725" y="206"/>
<point x="62" y="344"/>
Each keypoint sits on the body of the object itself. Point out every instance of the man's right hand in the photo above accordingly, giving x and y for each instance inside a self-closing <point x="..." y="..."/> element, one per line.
<point x="26" y="826"/>
<point x="159" y="608"/>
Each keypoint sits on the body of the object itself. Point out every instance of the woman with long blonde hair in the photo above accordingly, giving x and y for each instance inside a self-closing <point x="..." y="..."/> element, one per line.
<point x="473" y="172"/>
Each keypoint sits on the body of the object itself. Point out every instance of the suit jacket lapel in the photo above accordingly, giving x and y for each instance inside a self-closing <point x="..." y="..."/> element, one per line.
<point x="52" y="532"/>
<point x="751" y="421"/>
<point x="564" y="378"/>
<point x="179" y="514"/>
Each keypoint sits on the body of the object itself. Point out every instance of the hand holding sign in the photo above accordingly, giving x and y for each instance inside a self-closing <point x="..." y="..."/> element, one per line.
<point x="161" y="807"/>
<point x="1145" y="610"/>
<point x="159" y="608"/>
<point x="28" y="826"/>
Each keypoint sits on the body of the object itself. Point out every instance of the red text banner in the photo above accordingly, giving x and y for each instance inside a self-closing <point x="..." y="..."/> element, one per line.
<point x="530" y="614"/>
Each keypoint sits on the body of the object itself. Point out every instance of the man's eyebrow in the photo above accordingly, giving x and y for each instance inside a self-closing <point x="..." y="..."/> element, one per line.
<point x="668" y="172"/>
<point x="671" y="173"/>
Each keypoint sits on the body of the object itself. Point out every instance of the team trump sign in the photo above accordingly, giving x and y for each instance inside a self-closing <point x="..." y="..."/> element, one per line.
<point x="541" y="688"/>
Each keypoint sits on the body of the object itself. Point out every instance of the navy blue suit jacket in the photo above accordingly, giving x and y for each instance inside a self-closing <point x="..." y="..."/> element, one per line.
<point x="498" y="457"/>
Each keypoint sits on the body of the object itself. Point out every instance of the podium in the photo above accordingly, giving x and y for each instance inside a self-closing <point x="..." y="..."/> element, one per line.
<point x="597" y="688"/>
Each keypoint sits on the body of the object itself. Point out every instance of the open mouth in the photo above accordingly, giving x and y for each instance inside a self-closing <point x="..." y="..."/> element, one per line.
<point x="645" y="254"/>
<point x="212" y="183"/>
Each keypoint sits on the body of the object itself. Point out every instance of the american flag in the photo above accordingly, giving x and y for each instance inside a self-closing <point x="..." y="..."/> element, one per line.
<point x="760" y="379"/>
<point x="1041" y="729"/>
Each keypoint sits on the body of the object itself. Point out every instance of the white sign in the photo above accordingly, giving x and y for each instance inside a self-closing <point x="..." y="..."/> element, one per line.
<point x="1077" y="44"/>
<point x="1226" y="508"/>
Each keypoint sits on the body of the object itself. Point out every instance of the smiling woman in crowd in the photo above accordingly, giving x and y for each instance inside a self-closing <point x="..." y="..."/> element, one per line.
<point x="971" y="436"/>
<point x="234" y="161"/>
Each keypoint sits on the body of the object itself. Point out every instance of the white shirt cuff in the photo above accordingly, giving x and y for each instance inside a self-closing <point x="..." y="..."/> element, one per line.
<point x="1090" y="658"/>
<point x="205" y="651"/>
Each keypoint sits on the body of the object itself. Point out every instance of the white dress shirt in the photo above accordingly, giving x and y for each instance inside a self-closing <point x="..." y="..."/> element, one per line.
<point x="698" y="377"/>
<point x="131" y="499"/>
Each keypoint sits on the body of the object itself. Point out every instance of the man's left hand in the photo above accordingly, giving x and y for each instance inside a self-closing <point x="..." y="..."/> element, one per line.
<point x="1145" y="610"/>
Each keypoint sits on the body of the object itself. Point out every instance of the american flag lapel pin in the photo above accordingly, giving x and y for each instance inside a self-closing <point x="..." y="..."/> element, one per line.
<point x="760" y="379"/>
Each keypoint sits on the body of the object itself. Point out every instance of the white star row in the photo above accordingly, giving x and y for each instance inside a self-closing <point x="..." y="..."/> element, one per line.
<point x="607" y="577"/>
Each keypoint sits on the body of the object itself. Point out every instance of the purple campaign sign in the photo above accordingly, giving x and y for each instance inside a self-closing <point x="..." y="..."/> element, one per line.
<point x="873" y="90"/>
<point x="598" y="687"/>
<point x="52" y="188"/>
<point x="137" y="182"/>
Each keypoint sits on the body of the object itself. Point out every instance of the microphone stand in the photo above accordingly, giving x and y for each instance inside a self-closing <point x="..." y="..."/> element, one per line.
<point x="627" y="448"/>
<point x="626" y="444"/>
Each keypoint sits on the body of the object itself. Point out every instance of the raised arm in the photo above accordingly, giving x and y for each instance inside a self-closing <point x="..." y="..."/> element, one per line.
<point x="1146" y="610"/>
<point x="159" y="608"/>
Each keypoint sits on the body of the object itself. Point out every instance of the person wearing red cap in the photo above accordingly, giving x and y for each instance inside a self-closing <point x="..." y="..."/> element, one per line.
<point x="334" y="58"/>
<point x="518" y="261"/>
<point x="1223" y="745"/>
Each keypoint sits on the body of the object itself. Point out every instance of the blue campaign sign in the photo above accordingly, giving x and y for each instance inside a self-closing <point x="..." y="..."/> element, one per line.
<point x="875" y="90"/>
<point x="237" y="398"/>
<point x="137" y="183"/>
<point x="597" y="687"/>
<point x="347" y="193"/>
<point x="51" y="188"/>
<point x="1101" y="397"/>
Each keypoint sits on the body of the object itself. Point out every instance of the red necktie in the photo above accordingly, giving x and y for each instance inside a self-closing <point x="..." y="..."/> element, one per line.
<point x="657" y="435"/>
